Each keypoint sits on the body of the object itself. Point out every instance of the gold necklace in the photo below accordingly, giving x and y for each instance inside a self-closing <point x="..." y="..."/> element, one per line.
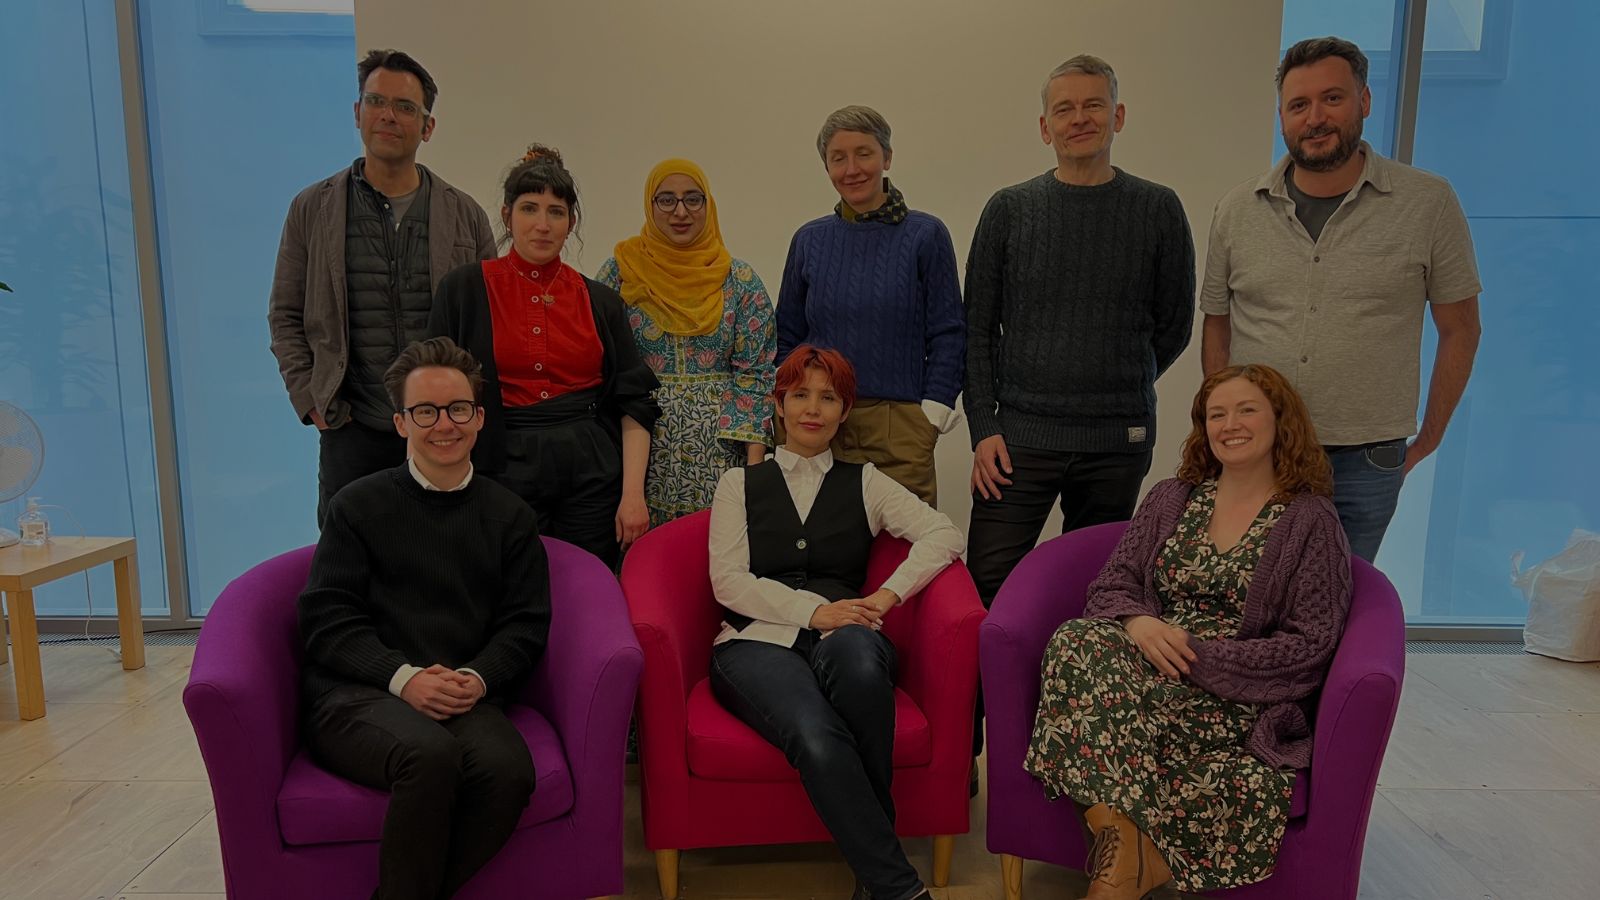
<point x="547" y="296"/>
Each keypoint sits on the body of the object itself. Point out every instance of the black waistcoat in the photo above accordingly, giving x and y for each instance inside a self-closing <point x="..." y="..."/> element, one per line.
<point x="827" y="553"/>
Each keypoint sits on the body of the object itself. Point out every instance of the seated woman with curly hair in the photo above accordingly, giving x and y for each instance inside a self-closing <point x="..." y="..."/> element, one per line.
<point x="1174" y="713"/>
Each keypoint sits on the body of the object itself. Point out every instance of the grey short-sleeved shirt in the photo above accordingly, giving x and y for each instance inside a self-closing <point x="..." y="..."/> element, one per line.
<point x="1341" y="316"/>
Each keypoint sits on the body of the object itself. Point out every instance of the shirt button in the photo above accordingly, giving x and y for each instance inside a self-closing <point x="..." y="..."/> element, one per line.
<point x="535" y="329"/>
<point x="1313" y="309"/>
<point x="1305" y="359"/>
<point x="538" y="367"/>
<point x="800" y="544"/>
<point x="544" y="395"/>
<point x="1316" y="259"/>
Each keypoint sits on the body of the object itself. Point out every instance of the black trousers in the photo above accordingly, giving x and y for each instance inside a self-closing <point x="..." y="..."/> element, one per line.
<point x="828" y="704"/>
<point x="1093" y="488"/>
<point x="353" y="451"/>
<point x="571" y="475"/>
<point x="457" y="787"/>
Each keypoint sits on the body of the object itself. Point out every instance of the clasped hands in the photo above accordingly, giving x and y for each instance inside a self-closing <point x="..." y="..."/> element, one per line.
<point x="868" y="611"/>
<point x="440" y="693"/>
<point x="1166" y="646"/>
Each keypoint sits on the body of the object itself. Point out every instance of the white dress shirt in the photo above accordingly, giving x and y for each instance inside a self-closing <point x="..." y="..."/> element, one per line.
<point x="780" y="612"/>
<point x="403" y="674"/>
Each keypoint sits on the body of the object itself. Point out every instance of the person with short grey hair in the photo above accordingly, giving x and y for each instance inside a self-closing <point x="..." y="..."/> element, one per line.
<point x="1321" y="269"/>
<point x="1080" y="293"/>
<point x="876" y="280"/>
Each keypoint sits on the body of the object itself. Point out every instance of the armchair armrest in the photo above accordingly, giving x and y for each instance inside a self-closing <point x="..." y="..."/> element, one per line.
<point x="243" y="699"/>
<point x="1356" y="711"/>
<point x="939" y="656"/>
<point x="1047" y="588"/>
<point x="585" y="682"/>
<point x="666" y="579"/>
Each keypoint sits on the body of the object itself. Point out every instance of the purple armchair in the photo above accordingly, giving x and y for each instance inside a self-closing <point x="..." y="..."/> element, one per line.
<point x="1321" y="854"/>
<point x="289" y="829"/>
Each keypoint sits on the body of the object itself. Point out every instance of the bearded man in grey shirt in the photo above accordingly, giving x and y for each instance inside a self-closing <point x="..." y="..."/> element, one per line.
<point x="1321" y="269"/>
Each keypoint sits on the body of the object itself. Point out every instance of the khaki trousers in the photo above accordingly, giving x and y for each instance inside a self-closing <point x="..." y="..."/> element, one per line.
<point x="893" y="435"/>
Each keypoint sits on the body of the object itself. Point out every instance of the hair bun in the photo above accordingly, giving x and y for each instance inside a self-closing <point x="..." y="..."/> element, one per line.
<point x="539" y="151"/>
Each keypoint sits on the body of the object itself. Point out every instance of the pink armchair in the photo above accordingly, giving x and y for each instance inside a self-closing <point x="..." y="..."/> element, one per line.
<point x="710" y="781"/>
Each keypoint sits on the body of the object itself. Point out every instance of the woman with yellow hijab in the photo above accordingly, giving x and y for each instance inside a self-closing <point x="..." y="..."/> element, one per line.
<point x="703" y="322"/>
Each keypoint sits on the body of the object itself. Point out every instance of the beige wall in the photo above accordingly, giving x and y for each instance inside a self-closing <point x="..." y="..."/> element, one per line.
<point x="741" y="88"/>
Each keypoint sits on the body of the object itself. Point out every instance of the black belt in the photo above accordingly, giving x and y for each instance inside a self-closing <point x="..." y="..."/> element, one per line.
<point x="573" y="407"/>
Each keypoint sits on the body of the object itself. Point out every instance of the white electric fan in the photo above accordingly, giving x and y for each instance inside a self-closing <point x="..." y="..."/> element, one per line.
<point x="21" y="458"/>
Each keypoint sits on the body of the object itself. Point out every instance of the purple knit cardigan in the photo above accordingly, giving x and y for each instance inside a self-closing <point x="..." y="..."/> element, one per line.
<point x="1294" y="611"/>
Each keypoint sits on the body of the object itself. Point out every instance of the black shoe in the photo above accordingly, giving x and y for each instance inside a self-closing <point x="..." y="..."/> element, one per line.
<point x="972" y="783"/>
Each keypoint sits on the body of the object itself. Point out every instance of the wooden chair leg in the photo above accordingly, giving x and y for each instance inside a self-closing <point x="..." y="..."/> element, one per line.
<point x="667" y="873"/>
<point x="1011" y="876"/>
<point x="944" y="847"/>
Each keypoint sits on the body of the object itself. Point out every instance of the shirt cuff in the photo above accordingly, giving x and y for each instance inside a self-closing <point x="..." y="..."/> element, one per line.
<point x="940" y="416"/>
<point x="401" y="676"/>
<point x="474" y="673"/>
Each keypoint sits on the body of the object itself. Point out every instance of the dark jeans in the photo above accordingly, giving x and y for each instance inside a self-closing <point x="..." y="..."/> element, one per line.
<point x="829" y="706"/>
<point x="571" y="475"/>
<point x="353" y="451"/>
<point x="457" y="787"/>
<point x="1093" y="488"/>
<point x="1366" y="488"/>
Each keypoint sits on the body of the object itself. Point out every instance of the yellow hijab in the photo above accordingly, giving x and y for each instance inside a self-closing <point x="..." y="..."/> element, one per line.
<point x="679" y="287"/>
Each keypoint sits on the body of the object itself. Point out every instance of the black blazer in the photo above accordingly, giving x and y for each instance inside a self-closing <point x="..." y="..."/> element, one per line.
<point x="461" y="313"/>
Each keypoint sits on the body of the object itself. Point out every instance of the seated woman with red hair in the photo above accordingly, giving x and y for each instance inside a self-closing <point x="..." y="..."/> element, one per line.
<point x="1172" y="713"/>
<point x="801" y="658"/>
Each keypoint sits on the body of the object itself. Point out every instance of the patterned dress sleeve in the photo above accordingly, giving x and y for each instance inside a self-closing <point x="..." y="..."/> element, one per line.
<point x="746" y="414"/>
<point x="610" y="275"/>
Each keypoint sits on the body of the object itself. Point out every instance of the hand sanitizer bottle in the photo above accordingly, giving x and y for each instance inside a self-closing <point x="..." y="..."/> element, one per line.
<point x="33" y="526"/>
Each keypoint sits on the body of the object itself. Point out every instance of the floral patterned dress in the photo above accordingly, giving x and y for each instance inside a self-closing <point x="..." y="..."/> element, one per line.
<point x="714" y="395"/>
<point x="1170" y="755"/>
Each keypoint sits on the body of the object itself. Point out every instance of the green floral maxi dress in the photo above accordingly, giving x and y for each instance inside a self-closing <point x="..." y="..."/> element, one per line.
<point x="1170" y="755"/>
<point x="713" y="395"/>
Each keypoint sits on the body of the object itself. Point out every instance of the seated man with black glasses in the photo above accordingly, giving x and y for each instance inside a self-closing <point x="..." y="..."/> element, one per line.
<point x="427" y="605"/>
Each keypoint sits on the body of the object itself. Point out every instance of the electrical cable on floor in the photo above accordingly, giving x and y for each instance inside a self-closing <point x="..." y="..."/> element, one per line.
<point x="88" y="591"/>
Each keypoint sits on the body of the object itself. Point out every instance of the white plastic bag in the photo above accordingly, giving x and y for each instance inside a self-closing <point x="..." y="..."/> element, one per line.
<point x="1563" y="600"/>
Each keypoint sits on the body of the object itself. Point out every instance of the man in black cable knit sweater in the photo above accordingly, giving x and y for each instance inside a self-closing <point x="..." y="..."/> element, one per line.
<point x="1080" y="293"/>
<point x="427" y="606"/>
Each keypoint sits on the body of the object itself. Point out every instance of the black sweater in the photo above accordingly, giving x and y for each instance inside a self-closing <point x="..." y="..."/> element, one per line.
<point x="1078" y="298"/>
<point x="406" y="575"/>
<point x="461" y="313"/>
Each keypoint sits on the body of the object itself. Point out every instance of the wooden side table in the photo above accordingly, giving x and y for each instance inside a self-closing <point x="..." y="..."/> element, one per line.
<point x="24" y="568"/>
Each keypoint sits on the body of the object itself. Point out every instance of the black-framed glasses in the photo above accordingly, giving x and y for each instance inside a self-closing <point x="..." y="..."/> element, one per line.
<point x="403" y="109"/>
<point x="426" y="415"/>
<point x="669" y="202"/>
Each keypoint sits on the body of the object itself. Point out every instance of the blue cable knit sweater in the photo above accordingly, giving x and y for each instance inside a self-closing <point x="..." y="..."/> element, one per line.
<point x="886" y="296"/>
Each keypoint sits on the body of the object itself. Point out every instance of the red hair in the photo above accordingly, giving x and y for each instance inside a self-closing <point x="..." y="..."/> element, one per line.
<point x="792" y="374"/>
<point x="1298" y="460"/>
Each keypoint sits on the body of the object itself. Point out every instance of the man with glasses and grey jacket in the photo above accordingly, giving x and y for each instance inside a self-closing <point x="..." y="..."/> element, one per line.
<point x="361" y="254"/>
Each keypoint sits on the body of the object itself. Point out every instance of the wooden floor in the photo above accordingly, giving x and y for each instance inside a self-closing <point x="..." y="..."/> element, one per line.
<point x="1491" y="790"/>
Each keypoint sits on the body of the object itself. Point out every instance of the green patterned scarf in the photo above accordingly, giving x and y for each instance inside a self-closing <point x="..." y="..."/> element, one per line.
<point x="893" y="210"/>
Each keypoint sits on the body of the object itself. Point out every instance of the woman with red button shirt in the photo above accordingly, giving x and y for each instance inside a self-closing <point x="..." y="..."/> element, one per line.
<point x="568" y="405"/>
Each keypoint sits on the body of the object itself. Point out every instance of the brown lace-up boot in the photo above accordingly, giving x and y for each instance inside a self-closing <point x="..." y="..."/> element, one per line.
<point x="1123" y="863"/>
